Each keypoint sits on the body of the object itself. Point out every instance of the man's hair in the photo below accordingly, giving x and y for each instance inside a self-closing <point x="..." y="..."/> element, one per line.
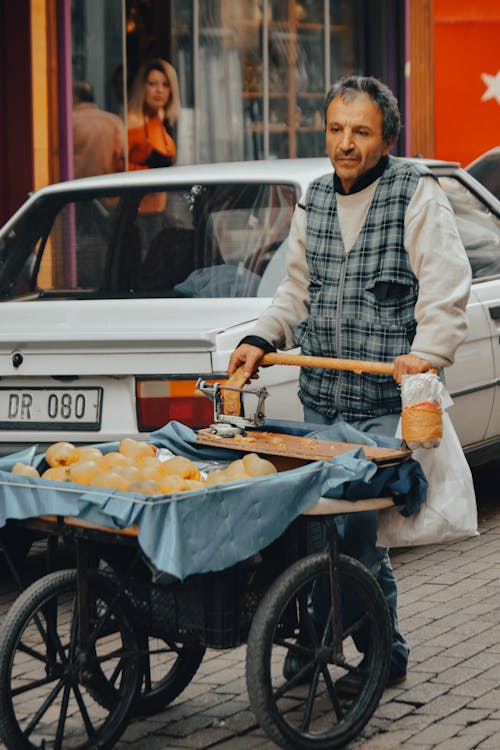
<point x="82" y="91"/>
<point x="349" y="87"/>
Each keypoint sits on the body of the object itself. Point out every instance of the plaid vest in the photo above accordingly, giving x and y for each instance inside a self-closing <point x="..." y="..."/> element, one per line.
<point x="361" y="303"/>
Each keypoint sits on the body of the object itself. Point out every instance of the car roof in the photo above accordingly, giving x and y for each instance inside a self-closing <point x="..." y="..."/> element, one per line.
<point x="299" y="171"/>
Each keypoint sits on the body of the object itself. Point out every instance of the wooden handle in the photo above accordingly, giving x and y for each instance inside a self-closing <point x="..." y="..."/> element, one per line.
<point x="232" y="399"/>
<point x="328" y="363"/>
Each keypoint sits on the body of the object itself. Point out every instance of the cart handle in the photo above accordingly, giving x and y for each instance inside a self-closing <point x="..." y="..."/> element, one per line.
<point x="232" y="399"/>
<point x="328" y="363"/>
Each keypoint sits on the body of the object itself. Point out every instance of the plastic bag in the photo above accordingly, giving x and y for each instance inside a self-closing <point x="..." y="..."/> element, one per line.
<point x="450" y="511"/>
<point x="421" y="416"/>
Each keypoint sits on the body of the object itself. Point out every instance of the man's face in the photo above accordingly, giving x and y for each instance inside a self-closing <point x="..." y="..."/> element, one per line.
<point x="354" y="137"/>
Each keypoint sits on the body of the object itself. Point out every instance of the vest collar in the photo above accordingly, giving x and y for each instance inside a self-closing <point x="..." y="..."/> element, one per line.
<point x="366" y="179"/>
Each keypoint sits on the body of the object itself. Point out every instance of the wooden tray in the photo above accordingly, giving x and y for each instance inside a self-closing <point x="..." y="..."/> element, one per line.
<point x="295" y="450"/>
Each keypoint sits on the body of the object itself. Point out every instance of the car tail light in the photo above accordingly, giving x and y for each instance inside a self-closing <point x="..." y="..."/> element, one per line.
<point x="162" y="400"/>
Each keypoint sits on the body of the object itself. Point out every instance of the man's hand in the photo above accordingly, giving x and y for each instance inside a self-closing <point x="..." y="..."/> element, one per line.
<point x="409" y="364"/>
<point x="249" y="356"/>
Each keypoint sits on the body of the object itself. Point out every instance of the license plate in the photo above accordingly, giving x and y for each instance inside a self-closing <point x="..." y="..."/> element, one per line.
<point x="50" y="408"/>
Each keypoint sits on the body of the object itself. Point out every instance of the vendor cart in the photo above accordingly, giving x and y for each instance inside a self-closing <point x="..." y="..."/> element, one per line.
<point x="123" y="632"/>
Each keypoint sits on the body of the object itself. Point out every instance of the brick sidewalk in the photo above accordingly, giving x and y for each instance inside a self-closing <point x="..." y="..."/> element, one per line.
<point x="449" y="607"/>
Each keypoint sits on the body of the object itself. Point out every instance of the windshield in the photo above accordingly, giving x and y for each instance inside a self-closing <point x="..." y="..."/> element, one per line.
<point x="226" y="240"/>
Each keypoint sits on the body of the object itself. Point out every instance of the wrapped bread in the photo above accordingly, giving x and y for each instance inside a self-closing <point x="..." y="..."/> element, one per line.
<point x="114" y="459"/>
<point x="82" y="472"/>
<point x="236" y="470"/>
<point x="256" y="466"/>
<point x="56" y="474"/>
<point x="145" y="487"/>
<point x="109" y="480"/>
<point x="26" y="470"/>
<point x="88" y="452"/>
<point x="180" y="466"/>
<point x="172" y="483"/>
<point x="251" y="465"/>
<point x="135" y="448"/>
<point x="217" y="476"/>
<point x="61" y="454"/>
<point x="421" y="417"/>
<point x="137" y="468"/>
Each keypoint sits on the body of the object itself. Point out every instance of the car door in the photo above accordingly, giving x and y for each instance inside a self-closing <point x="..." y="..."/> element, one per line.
<point x="473" y="381"/>
<point x="488" y="294"/>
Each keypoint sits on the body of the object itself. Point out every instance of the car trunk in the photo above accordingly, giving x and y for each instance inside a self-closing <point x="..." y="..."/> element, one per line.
<point x="115" y="337"/>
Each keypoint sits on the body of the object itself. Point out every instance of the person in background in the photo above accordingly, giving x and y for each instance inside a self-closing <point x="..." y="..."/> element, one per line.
<point x="154" y="108"/>
<point x="98" y="136"/>
<point x="153" y="111"/>
<point x="98" y="148"/>
<point x="376" y="271"/>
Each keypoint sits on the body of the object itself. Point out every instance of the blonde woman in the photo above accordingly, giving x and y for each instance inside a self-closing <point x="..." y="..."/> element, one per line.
<point x="154" y="108"/>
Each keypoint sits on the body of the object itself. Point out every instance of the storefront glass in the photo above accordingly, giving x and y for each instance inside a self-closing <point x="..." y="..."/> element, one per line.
<point x="97" y="49"/>
<point x="98" y="128"/>
<point x="252" y="74"/>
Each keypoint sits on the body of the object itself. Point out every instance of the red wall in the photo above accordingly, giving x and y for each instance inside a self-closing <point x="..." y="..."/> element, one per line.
<point x="16" y="141"/>
<point x="467" y="46"/>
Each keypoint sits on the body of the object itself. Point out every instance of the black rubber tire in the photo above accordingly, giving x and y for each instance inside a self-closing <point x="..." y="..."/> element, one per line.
<point x="313" y="716"/>
<point x="40" y="663"/>
<point x="167" y="669"/>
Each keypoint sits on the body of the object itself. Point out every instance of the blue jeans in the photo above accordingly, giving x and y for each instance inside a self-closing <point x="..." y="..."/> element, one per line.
<point x="358" y="536"/>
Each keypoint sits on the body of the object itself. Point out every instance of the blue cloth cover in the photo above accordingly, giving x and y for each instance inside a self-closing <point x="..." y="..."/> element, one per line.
<point x="213" y="528"/>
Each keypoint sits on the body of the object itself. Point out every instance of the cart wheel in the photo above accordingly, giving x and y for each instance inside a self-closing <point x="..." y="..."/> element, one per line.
<point x="167" y="667"/>
<point x="46" y="692"/>
<point x="308" y="710"/>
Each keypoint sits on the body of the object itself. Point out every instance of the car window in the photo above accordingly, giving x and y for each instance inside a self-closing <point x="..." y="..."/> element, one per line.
<point x="486" y="170"/>
<point x="478" y="227"/>
<point x="58" y="248"/>
<point x="197" y="240"/>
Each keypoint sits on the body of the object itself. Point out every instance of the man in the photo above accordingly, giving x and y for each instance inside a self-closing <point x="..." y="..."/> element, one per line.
<point x="98" y="148"/>
<point x="98" y="136"/>
<point x="376" y="271"/>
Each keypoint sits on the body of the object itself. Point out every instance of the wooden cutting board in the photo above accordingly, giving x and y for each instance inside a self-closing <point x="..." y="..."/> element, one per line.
<point x="295" y="450"/>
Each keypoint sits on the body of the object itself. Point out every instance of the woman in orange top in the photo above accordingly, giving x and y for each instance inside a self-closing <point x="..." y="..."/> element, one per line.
<point x="154" y="107"/>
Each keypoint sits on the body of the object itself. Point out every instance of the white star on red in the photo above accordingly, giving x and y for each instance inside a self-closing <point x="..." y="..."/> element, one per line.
<point x="492" y="84"/>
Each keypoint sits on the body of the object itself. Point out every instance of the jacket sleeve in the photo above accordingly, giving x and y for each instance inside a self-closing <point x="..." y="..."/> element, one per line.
<point x="439" y="261"/>
<point x="290" y="304"/>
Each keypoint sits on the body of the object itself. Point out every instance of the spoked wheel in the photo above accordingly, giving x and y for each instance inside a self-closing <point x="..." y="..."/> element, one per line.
<point x="311" y="709"/>
<point x="167" y="669"/>
<point x="46" y="689"/>
<point x="167" y="664"/>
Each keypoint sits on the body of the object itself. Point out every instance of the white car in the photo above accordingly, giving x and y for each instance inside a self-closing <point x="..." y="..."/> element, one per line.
<point x="118" y="292"/>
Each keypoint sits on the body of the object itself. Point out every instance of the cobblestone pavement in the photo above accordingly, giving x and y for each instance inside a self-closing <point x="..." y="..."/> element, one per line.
<point x="449" y="608"/>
